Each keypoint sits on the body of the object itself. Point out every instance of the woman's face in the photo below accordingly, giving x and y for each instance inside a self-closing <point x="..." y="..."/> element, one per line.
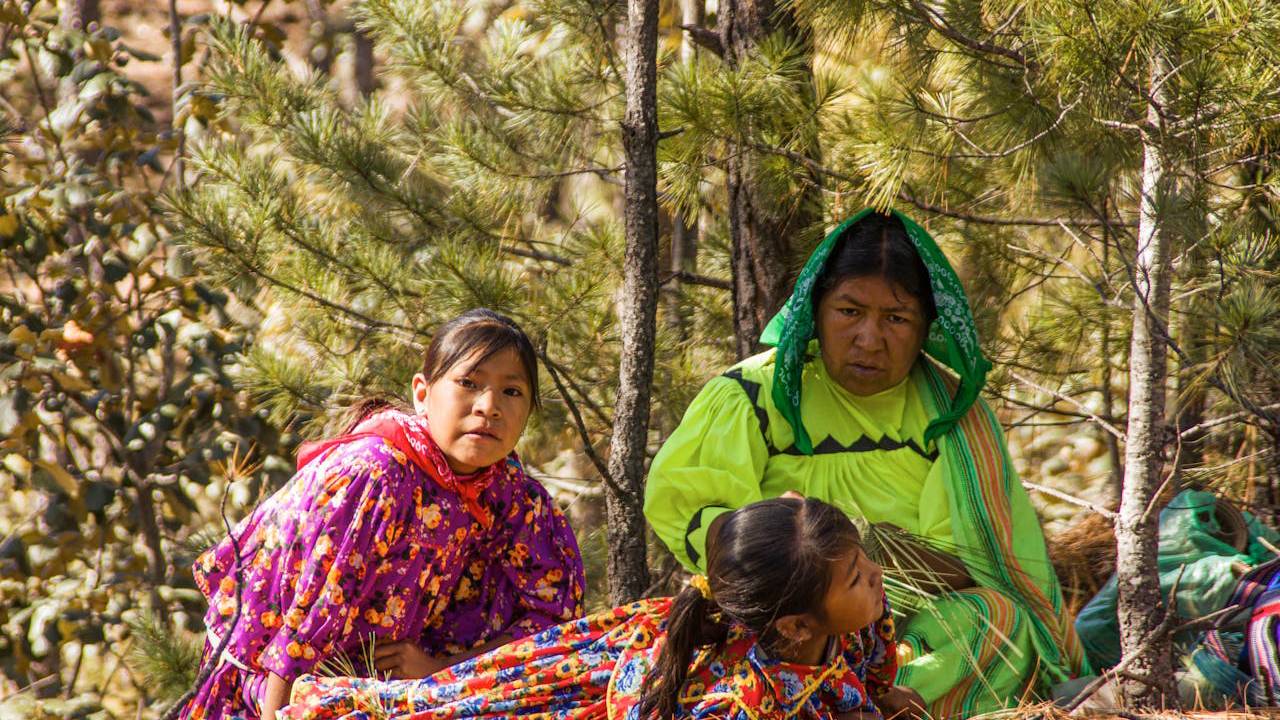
<point x="871" y="332"/>
<point x="476" y="412"/>
<point x="855" y="598"/>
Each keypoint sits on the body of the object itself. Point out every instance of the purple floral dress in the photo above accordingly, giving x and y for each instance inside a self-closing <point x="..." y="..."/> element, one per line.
<point x="364" y="545"/>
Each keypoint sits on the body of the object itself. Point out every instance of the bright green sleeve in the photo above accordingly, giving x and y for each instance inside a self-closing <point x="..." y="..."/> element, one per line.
<point x="711" y="464"/>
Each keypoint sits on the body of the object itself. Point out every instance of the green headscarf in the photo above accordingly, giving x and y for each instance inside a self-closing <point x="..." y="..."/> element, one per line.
<point x="952" y="339"/>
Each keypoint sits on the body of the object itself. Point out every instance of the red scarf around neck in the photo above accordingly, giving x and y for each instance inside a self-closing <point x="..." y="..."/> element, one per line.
<point x="408" y="433"/>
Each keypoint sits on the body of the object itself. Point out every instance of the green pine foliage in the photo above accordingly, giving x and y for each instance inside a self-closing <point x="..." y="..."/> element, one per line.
<point x="166" y="656"/>
<point x="1017" y="130"/>
<point x="489" y="176"/>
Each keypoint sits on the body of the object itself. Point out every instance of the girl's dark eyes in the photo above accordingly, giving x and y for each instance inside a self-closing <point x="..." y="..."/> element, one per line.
<point x="467" y="383"/>
<point x="514" y="392"/>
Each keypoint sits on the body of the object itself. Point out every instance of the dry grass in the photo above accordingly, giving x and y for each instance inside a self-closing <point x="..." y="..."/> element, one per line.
<point x="1048" y="711"/>
<point x="1083" y="556"/>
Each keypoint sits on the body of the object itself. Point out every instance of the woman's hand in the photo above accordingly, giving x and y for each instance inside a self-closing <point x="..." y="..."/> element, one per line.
<point x="930" y="569"/>
<point x="901" y="703"/>
<point x="406" y="661"/>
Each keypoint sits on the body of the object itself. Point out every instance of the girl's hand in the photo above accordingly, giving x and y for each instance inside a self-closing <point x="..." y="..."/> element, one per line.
<point x="276" y="696"/>
<point x="901" y="703"/>
<point x="406" y="661"/>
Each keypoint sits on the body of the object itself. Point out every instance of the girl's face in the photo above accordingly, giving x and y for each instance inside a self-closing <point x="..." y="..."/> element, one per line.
<point x="855" y="598"/>
<point x="476" y="411"/>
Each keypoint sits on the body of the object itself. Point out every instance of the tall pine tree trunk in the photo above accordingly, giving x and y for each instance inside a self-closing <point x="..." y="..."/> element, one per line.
<point x="637" y="308"/>
<point x="1115" y="477"/>
<point x="364" y="78"/>
<point x="175" y="43"/>
<point x="684" y="227"/>
<point x="1146" y="646"/>
<point x="1269" y="493"/>
<point x="762" y="230"/>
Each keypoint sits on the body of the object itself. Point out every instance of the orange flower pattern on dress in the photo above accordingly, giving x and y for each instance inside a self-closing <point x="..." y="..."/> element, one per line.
<point x="594" y="669"/>
<point x="344" y="551"/>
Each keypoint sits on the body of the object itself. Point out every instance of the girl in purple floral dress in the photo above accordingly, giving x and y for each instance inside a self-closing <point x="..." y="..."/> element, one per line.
<point x="429" y="546"/>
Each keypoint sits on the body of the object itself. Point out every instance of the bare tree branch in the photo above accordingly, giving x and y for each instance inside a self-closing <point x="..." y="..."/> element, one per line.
<point x="1108" y="514"/>
<point x="587" y="445"/>
<point x="706" y="37"/>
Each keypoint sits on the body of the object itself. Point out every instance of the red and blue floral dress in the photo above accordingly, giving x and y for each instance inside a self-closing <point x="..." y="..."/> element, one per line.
<point x="594" y="669"/>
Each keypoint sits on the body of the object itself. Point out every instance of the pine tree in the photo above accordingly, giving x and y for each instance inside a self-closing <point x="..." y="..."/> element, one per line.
<point x="1093" y="143"/>
<point x="773" y="205"/>
<point x="638" y="305"/>
<point x="487" y="173"/>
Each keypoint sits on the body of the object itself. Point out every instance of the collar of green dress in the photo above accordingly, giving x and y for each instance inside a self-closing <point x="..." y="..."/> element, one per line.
<point x="952" y="339"/>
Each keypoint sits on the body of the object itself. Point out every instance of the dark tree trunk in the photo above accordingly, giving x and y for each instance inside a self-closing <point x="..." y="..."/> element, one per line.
<point x="684" y="261"/>
<point x="175" y="41"/>
<point x="637" y="307"/>
<point x="364" y="78"/>
<point x="684" y="227"/>
<point x="764" y="229"/>
<point x="1147" y="647"/>
<point x="1270" y="491"/>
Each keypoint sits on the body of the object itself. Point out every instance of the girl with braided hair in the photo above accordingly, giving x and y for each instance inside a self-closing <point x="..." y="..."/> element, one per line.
<point x="790" y="622"/>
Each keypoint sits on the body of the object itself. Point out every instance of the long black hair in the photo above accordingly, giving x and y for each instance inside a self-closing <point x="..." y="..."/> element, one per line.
<point x="478" y="332"/>
<point x="769" y="559"/>
<point x="878" y="246"/>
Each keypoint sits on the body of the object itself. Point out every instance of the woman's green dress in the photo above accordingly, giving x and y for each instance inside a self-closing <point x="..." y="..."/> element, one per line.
<point x="910" y="456"/>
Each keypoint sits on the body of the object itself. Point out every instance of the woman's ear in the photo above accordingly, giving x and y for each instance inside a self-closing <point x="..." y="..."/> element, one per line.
<point x="794" y="629"/>
<point x="419" y="391"/>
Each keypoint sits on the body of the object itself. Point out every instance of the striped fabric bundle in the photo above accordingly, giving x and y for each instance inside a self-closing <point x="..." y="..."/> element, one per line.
<point x="1264" y="630"/>
<point x="1250" y="674"/>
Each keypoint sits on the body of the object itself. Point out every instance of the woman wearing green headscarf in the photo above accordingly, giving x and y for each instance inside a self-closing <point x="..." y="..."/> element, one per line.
<point x="869" y="401"/>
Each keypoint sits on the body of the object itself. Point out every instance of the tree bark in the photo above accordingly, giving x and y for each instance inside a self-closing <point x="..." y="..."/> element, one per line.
<point x="637" y="307"/>
<point x="692" y="12"/>
<point x="684" y="227"/>
<point x="364" y="78"/>
<point x="1149" y="682"/>
<point x="1115" y="477"/>
<point x="148" y="517"/>
<point x="175" y="39"/>
<point x="1269" y="511"/>
<point x="763" y="230"/>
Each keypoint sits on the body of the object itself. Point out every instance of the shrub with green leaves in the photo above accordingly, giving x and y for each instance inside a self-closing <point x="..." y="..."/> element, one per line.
<point x="120" y="425"/>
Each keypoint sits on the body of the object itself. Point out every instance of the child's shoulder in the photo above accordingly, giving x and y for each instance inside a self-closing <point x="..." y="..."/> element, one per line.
<point x="367" y="465"/>
<point x="366" y="452"/>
